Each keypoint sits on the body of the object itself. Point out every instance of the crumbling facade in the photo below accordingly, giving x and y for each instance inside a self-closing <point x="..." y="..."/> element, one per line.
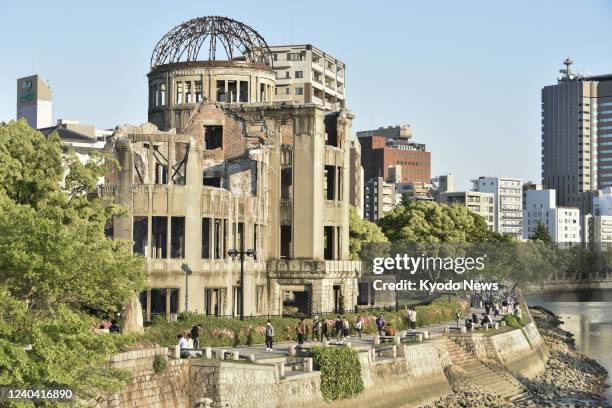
<point x="223" y="166"/>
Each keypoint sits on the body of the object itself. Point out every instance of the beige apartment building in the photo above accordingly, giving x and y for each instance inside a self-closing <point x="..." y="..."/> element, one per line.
<point x="305" y="74"/>
<point x="477" y="202"/>
<point x="224" y="166"/>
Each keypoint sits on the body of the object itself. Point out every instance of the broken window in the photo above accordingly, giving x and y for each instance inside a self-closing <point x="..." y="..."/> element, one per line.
<point x="188" y="92"/>
<point x="331" y="130"/>
<point x="198" y="91"/>
<point x="158" y="301"/>
<point x="160" y="157"/>
<point x="212" y="181"/>
<point x="179" y="168"/>
<point x="255" y="228"/>
<point x="205" y="238"/>
<point x="217" y="239"/>
<point x="239" y="237"/>
<point x="179" y="92"/>
<point x="328" y="243"/>
<point x="177" y="237"/>
<point x="160" y="97"/>
<point x="285" y="241"/>
<point x="214" y="299"/>
<point x="286" y="183"/>
<point x="213" y="137"/>
<point x="244" y="91"/>
<point x="141" y="167"/>
<point x="220" y="91"/>
<point x="232" y="90"/>
<point x="140" y="233"/>
<point x="262" y="93"/>
<point x="339" y="187"/>
<point x="159" y="229"/>
<point x="225" y="240"/>
<point x="330" y="182"/>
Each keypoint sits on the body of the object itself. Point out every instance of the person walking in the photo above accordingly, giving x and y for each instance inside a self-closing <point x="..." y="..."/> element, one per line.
<point x="358" y="327"/>
<point x="195" y="335"/>
<point x="380" y="324"/>
<point x="269" y="335"/>
<point x="301" y="331"/>
<point x="324" y="330"/>
<point x="346" y="327"/>
<point x="183" y="345"/>
<point x="316" y="329"/>
<point x="338" y="329"/>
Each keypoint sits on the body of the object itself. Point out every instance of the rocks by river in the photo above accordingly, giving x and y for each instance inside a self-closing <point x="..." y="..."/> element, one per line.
<point x="570" y="379"/>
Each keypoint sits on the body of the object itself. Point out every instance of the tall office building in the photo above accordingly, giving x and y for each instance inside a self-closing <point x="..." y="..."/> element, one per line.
<point x="576" y="135"/>
<point x="35" y="101"/>
<point x="305" y="74"/>
<point x="508" y="203"/>
<point x="562" y="223"/>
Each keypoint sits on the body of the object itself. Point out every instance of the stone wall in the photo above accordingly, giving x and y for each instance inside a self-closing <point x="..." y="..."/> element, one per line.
<point x="168" y="388"/>
<point x="230" y="384"/>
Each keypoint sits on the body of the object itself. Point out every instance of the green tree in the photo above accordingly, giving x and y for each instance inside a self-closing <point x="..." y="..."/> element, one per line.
<point x="541" y="234"/>
<point x="362" y="231"/>
<point x="428" y="221"/>
<point x="57" y="267"/>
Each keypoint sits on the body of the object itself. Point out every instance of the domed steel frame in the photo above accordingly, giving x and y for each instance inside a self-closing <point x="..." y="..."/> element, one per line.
<point x="183" y="42"/>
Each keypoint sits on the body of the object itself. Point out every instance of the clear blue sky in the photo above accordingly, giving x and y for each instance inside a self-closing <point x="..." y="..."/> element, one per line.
<point x="465" y="74"/>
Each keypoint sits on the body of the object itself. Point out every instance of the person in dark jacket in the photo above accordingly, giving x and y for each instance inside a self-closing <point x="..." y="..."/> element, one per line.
<point x="195" y="335"/>
<point x="114" y="327"/>
<point x="380" y="324"/>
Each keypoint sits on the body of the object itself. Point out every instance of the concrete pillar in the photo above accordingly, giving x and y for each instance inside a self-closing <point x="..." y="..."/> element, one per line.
<point x="425" y="334"/>
<point x="176" y="352"/>
<point x="496" y="326"/>
<point x="394" y="351"/>
<point x="221" y="354"/>
<point x="308" y="365"/>
<point x="397" y="340"/>
<point x="208" y="352"/>
<point x="446" y="329"/>
<point x="235" y="355"/>
<point x="372" y="354"/>
<point x="376" y="339"/>
<point x="252" y="358"/>
<point x="292" y="350"/>
<point x="419" y="337"/>
<point x="463" y="329"/>
<point x="503" y="323"/>
<point x="281" y="369"/>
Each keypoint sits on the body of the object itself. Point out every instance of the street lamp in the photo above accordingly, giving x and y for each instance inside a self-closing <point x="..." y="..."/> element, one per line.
<point x="185" y="268"/>
<point x="234" y="253"/>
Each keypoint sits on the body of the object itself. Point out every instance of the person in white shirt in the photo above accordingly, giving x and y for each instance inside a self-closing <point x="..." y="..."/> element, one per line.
<point x="183" y="345"/>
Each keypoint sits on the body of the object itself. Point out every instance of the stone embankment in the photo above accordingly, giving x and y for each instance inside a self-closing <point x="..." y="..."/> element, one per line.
<point x="569" y="379"/>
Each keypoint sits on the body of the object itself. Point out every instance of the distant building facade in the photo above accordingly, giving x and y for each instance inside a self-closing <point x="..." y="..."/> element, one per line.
<point x="385" y="148"/>
<point x="380" y="198"/>
<point x="356" y="181"/>
<point x="477" y="202"/>
<point x="35" y="101"/>
<point x="508" y="194"/>
<point x="562" y="223"/>
<point x="305" y="74"/>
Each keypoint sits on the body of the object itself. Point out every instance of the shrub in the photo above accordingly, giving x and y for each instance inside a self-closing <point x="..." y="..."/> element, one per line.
<point x="340" y="372"/>
<point x="249" y="337"/>
<point x="159" y="363"/>
<point x="512" y="321"/>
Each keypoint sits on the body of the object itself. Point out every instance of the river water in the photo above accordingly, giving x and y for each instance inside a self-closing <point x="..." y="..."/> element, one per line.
<point x="588" y="316"/>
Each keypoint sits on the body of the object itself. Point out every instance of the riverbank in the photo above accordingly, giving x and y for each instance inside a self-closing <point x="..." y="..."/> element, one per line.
<point x="570" y="378"/>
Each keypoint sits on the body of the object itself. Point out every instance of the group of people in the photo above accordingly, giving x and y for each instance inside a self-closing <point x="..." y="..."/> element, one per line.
<point x="494" y="306"/>
<point x="189" y="341"/>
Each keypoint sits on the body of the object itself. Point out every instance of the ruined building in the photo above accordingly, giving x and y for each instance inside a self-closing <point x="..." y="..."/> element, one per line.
<point x="222" y="166"/>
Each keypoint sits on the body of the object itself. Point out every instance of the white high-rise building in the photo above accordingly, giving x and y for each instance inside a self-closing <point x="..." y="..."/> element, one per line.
<point x="508" y="203"/>
<point x="35" y="102"/>
<point x="562" y="223"/>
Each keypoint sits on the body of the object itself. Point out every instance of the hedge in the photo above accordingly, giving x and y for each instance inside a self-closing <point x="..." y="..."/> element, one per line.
<point x="221" y="331"/>
<point x="340" y="372"/>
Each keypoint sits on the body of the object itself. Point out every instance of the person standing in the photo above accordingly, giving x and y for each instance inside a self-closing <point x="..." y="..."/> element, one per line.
<point x="269" y="335"/>
<point x="338" y="328"/>
<point x="380" y="324"/>
<point x="346" y="327"/>
<point x="413" y="318"/>
<point x="301" y="331"/>
<point x="183" y="345"/>
<point x="316" y="329"/>
<point x="358" y="327"/>
<point x="195" y="335"/>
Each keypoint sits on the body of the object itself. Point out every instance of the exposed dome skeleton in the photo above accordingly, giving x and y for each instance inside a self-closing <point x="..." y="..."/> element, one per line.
<point x="184" y="42"/>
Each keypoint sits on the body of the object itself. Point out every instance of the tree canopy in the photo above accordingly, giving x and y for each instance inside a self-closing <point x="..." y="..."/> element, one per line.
<point x="428" y="221"/>
<point x="57" y="267"/>
<point x="362" y="232"/>
<point x="541" y="234"/>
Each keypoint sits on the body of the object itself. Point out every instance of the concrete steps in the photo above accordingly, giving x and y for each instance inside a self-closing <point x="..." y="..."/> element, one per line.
<point x="494" y="381"/>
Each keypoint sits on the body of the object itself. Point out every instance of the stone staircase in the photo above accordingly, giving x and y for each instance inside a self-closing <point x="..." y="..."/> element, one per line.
<point x="496" y="381"/>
